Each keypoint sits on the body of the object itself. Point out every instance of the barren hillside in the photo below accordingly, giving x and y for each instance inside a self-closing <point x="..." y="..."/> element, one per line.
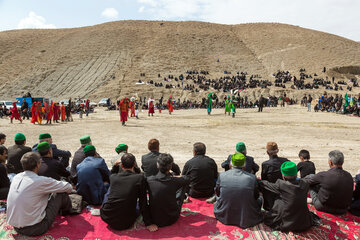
<point x="107" y="59"/>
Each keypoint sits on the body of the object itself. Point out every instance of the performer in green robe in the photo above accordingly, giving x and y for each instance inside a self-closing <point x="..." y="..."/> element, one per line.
<point x="209" y="103"/>
<point x="227" y="105"/>
<point x="233" y="103"/>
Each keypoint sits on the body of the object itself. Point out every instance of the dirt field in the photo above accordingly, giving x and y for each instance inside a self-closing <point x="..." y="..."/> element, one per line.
<point x="293" y="128"/>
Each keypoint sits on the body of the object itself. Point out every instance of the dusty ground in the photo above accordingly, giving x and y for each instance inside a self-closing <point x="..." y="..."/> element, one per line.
<point x="293" y="128"/>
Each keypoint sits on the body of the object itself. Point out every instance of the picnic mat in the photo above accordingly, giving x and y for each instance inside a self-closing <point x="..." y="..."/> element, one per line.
<point x="197" y="221"/>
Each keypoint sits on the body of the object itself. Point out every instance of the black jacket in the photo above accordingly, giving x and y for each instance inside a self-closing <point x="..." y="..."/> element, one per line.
<point x="164" y="206"/>
<point x="203" y="173"/>
<point x="149" y="166"/>
<point x="250" y="165"/>
<point x="126" y="188"/>
<point x="58" y="154"/>
<point x="15" y="154"/>
<point x="52" y="168"/>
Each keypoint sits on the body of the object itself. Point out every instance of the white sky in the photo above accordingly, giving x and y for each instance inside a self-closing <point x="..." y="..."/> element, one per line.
<point x="339" y="17"/>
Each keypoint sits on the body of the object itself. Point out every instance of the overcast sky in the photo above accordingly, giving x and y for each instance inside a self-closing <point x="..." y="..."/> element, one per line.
<point x="340" y="17"/>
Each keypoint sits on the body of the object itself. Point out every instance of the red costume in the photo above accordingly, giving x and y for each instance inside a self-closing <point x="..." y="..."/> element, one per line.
<point x="151" y="106"/>
<point x="62" y="111"/>
<point x="170" y="106"/>
<point x="132" y="109"/>
<point x="124" y="110"/>
<point x="33" y="113"/>
<point x="15" y="113"/>
<point x="56" y="110"/>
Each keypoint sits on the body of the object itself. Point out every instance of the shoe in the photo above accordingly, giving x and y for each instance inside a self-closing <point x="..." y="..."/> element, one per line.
<point x="309" y="200"/>
<point x="211" y="200"/>
<point x="186" y="200"/>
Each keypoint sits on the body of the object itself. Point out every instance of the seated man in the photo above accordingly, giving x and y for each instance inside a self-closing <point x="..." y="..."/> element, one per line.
<point x="202" y="172"/>
<point x="250" y="165"/>
<point x="166" y="193"/>
<point x="15" y="153"/>
<point x="237" y="192"/>
<point x="148" y="161"/>
<point x="332" y="191"/>
<point x="127" y="189"/>
<point x="270" y="171"/>
<point x="2" y="139"/>
<point x="34" y="201"/>
<point x="93" y="177"/>
<point x="121" y="149"/>
<point x="290" y="211"/>
<point x="305" y="166"/>
<point x="79" y="155"/>
<point x="355" y="205"/>
<point x="4" y="180"/>
<point x="49" y="166"/>
<point x="60" y="155"/>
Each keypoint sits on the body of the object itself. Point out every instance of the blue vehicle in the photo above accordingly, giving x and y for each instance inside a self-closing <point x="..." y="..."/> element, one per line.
<point x="31" y="100"/>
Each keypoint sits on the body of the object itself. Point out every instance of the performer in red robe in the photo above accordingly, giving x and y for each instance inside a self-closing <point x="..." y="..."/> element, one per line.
<point x="56" y="110"/>
<point x="151" y="107"/>
<point x="170" y="106"/>
<point x="62" y="112"/>
<point x="33" y="113"/>
<point x="48" y="115"/>
<point x="132" y="107"/>
<point x="124" y="110"/>
<point x="15" y="113"/>
<point x="39" y="112"/>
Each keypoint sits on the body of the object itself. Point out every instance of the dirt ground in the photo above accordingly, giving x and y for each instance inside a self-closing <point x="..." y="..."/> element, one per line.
<point x="292" y="127"/>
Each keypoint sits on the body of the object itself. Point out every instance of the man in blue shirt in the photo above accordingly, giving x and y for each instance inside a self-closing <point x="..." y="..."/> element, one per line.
<point x="93" y="177"/>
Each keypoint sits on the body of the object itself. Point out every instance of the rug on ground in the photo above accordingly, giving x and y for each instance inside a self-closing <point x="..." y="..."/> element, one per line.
<point x="197" y="221"/>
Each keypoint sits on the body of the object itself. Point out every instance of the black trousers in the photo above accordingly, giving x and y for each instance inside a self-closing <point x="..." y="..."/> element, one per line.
<point x="57" y="202"/>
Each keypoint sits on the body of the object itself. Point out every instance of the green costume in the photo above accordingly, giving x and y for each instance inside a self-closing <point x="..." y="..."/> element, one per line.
<point x="233" y="104"/>
<point x="227" y="105"/>
<point x="209" y="105"/>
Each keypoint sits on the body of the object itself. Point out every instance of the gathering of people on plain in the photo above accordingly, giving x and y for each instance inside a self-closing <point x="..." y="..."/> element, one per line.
<point x="39" y="183"/>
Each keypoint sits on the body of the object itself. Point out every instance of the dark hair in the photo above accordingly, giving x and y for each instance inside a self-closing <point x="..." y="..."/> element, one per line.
<point x="30" y="160"/>
<point x="90" y="153"/>
<point x="199" y="148"/>
<point x="44" y="152"/>
<point x="3" y="149"/>
<point x="20" y="142"/>
<point x="304" y="154"/>
<point x="153" y="145"/>
<point x="128" y="160"/>
<point x="2" y="136"/>
<point x="290" y="178"/>
<point x="165" y="162"/>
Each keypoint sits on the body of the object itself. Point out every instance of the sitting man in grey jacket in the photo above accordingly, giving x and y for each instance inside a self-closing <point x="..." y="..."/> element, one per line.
<point x="237" y="192"/>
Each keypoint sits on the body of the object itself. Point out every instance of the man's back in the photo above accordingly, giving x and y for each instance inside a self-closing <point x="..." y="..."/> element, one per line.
<point x="237" y="203"/>
<point x="91" y="173"/>
<point x="28" y="198"/>
<point x="125" y="189"/>
<point x="15" y="153"/>
<point x="52" y="168"/>
<point x="202" y="172"/>
<point x="270" y="169"/>
<point x="79" y="156"/>
<point x="336" y="188"/>
<point x="163" y="188"/>
<point x="149" y="164"/>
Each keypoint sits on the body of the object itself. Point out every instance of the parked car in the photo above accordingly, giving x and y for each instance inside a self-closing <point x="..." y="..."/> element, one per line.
<point x="65" y="101"/>
<point x="9" y="104"/>
<point x="103" y="102"/>
<point x="83" y="101"/>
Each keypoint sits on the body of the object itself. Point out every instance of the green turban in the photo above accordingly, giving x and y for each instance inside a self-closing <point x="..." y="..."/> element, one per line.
<point x="44" y="136"/>
<point x="289" y="169"/>
<point x="121" y="147"/>
<point x="240" y="147"/>
<point x="238" y="160"/>
<point x="43" y="146"/>
<point x="19" y="137"/>
<point x="85" y="139"/>
<point x="89" y="148"/>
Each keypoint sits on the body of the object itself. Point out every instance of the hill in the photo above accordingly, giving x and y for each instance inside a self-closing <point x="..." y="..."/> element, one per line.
<point x="106" y="60"/>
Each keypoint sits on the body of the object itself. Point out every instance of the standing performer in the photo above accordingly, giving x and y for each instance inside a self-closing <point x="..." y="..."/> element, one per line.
<point x="34" y="113"/>
<point x="132" y="107"/>
<point x="62" y="111"/>
<point x="47" y="108"/>
<point x="136" y="109"/>
<point x="170" y="106"/>
<point x="209" y="103"/>
<point x="233" y="103"/>
<point x="151" y="106"/>
<point x="39" y="112"/>
<point x="227" y="105"/>
<point x="124" y="110"/>
<point x="15" y="113"/>
<point x="56" y="110"/>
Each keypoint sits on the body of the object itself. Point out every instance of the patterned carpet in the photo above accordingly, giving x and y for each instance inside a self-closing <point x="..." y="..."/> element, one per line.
<point x="196" y="221"/>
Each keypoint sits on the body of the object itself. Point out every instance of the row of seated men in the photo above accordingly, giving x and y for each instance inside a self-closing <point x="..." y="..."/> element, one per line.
<point x="122" y="192"/>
